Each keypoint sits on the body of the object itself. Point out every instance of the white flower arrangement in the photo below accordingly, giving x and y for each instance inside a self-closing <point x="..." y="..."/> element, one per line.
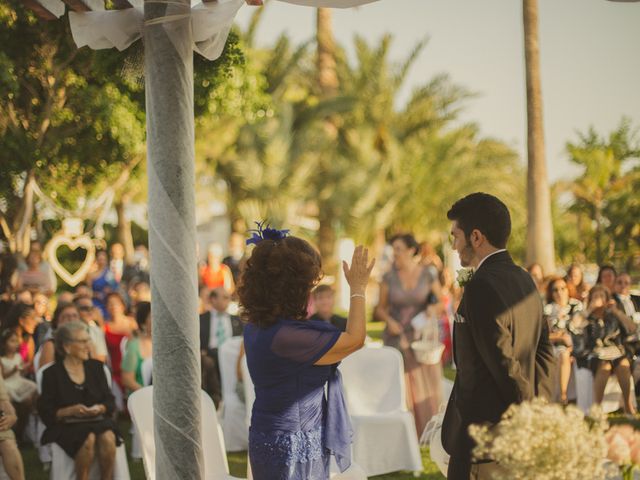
<point x="545" y="441"/>
<point x="464" y="276"/>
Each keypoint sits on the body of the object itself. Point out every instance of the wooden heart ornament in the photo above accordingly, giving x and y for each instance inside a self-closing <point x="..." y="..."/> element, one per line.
<point x="73" y="243"/>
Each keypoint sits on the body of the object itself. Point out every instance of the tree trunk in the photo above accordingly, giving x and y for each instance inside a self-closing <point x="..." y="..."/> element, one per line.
<point x="125" y="237"/>
<point x="327" y="242"/>
<point x="168" y="59"/>
<point x="540" y="242"/>
<point x="328" y="83"/>
<point x="326" y="59"/>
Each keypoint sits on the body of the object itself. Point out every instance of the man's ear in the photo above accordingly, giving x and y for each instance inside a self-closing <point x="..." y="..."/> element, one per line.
<point x="477" y="238"/>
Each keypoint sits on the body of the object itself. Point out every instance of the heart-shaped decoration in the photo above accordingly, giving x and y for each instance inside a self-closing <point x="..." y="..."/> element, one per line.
<point x="73" y="243"/>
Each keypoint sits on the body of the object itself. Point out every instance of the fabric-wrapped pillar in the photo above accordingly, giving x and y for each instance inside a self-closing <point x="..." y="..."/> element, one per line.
<point x="168" y="45"/>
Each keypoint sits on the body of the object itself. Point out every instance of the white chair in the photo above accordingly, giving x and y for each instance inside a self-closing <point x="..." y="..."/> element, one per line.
<point x="612" y="400"/>
<point x="215" y="459"/>
<point x="44" y="451"/>
<point x="236" y="434"/>
<point x="385" y="438"/>
<point x="147" y="373"/>
<point x="63" y="467"/>
<point x="249" y="391"/>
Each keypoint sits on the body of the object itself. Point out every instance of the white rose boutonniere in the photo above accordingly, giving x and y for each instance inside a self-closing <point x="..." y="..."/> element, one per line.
<point x="464" y="276"/>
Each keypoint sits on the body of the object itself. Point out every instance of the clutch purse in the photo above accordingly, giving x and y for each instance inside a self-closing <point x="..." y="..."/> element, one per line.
<point x="608" y="353"/>
<point x="72" y="420"/>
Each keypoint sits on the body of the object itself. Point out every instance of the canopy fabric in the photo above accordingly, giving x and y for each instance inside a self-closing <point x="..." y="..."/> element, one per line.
<point x="210" y="24"/>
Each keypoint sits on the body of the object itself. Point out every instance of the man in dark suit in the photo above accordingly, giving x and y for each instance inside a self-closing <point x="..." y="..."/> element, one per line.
<point x="216" y="326"/>
<point x="625" y="301"/>
<point x="501" y="343"/>
<point x="324" y="300"/>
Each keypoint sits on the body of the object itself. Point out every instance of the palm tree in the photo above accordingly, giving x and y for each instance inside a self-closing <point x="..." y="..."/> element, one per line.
<point x="328" y="86"/>
<point x="604" y="193"/>
<point x="540" y="242"/>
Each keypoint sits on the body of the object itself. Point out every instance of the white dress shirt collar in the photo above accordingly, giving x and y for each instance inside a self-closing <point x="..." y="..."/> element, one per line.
<point x="490" y="255"/>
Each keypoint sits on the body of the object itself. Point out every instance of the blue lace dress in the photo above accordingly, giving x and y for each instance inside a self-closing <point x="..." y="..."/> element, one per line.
<point x="295" y="427"/>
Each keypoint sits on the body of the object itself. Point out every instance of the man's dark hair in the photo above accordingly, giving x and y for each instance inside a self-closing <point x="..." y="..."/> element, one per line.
<point x="483" y="212"/>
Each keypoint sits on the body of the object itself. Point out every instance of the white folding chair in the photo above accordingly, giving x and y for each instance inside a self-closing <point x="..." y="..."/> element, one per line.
<point x="385" y="438"/>
<point x="612" y="400"/>
<point x="215" y="459"/>
<point x="147" y="373"/>
<point x="63" y="466"/>
<point x="236" y="434"/>
<point x="44" y="451"/>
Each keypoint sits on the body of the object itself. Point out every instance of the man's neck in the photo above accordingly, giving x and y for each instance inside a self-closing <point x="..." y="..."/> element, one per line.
<point x="483" y="254"/>
<point x="325" y="316"/>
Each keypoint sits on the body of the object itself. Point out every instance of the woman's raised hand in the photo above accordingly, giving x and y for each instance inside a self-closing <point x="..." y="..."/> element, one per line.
<point x="360" y="270"/>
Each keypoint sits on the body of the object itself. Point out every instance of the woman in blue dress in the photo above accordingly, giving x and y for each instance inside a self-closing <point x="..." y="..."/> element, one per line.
<point x="295" y="426"/>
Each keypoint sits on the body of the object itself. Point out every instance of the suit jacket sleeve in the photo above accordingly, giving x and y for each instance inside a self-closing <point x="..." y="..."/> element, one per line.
<point x="493" y="339"/>
<point x="545" y="364"/>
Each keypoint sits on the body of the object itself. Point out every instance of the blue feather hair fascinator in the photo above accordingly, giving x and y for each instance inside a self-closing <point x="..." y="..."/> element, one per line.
<point x="265" y="232"/>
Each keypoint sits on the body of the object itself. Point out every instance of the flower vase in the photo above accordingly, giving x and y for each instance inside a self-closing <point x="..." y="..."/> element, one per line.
<point x="627" y="472"/>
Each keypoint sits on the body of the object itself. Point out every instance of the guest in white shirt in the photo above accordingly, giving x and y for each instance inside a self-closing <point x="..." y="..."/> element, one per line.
<point x="216" y="326"/>
<point x="627" y="303"/>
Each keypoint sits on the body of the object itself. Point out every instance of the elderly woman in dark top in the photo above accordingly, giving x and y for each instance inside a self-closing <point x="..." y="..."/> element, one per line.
<point x="76" y="404"/>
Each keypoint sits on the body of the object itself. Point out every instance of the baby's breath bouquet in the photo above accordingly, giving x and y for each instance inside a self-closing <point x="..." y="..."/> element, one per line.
<point x="545" y="441"/>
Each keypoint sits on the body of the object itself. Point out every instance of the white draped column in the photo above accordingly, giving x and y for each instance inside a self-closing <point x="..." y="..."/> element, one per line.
<point x="168" y="46"/>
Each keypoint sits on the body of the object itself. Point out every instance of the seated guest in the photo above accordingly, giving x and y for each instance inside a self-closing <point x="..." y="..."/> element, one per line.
<point x="606" y="331"/>
<point x="77" y="405"/>
<point x="324" y="300"/>
<point x="627" y="303"/>
<point x="21" y="390"/>
<point x="558" y="312"/>
<point x="578" y="288"/>
<point x="216" y="326"/>
<point x="138" y="349"/>
<point x="607" y="277"/>
<point x="41" y="307"/>
<point x="119" y="327"/>
<point x="90" y="315"/>
<point x="11" y="458"/>
<point x="22" y="319"/>
<point x="63" y="314"/>
<point x="82" y="290"/>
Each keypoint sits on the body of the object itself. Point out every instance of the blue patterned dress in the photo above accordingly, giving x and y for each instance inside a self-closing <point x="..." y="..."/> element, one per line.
<point x="295" y="427"/>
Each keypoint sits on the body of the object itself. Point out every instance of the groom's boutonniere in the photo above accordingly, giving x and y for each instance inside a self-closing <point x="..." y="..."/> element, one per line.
<point x="464" y="276"/>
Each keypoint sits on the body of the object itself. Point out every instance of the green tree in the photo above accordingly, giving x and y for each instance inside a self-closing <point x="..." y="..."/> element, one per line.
<point x="64" y="122"/>
<point x="604" y="196"/>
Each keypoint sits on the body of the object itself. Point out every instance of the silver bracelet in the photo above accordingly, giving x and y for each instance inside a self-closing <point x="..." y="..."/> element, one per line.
<point x="357" y="295"/>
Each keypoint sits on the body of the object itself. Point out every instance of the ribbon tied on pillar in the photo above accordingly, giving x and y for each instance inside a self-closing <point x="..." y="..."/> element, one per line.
<point x="211" y="22"/>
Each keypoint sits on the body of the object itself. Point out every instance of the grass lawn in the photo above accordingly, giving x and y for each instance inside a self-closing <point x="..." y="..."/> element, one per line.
<point x="237" y="461"/>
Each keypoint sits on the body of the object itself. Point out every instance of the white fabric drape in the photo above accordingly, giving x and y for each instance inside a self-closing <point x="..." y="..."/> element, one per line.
<point x="210" y="24"/>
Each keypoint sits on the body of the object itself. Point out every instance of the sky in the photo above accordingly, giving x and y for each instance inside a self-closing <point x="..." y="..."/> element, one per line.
<point x="589" y="49"/>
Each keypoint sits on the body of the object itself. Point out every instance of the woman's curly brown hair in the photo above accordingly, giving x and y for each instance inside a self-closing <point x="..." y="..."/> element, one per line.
<point x="277" y="281"/>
